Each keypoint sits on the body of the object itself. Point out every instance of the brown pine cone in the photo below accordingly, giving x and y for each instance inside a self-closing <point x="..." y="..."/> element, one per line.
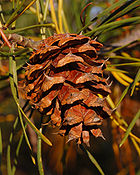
<point x="64" y="79"/>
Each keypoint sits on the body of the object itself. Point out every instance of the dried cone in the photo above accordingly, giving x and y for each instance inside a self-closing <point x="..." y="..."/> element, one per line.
<point x="64" y="80"/>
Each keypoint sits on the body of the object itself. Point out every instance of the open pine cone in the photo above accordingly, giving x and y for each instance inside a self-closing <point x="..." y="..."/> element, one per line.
<point x="64" y="79"/>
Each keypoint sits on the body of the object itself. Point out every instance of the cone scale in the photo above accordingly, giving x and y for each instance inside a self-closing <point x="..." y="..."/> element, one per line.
<point x="63" y="80"/>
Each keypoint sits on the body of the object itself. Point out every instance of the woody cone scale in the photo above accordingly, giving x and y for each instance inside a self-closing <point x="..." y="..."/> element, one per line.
<point x="64" y="78"/>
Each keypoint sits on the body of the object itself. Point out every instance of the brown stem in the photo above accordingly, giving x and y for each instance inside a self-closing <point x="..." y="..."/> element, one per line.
<point x="22" y="41"/>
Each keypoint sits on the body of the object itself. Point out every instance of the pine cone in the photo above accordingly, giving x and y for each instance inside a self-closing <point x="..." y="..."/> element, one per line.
<point x="64" y="79"/>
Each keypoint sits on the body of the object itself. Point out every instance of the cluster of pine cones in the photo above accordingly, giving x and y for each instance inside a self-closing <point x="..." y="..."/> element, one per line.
<point x="63" y="81"/>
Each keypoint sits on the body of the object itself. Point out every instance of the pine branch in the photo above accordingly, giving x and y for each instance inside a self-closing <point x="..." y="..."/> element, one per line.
<point x="22" y="41"/>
